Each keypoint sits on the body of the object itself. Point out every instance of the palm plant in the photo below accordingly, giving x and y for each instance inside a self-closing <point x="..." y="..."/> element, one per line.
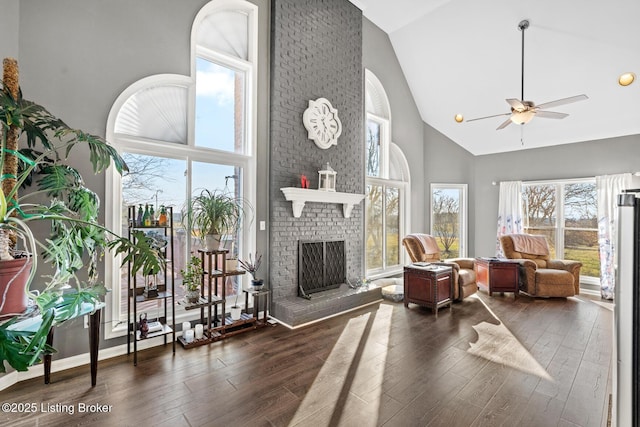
<point x="61" y="199"/>
<point x="214" y="213"/>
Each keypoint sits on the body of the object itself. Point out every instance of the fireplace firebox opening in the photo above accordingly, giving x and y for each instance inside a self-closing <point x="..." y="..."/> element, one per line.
<point x="321" y="266"/>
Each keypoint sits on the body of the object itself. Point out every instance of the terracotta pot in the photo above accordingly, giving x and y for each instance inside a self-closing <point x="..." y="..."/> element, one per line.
<point x="14" y="299"/>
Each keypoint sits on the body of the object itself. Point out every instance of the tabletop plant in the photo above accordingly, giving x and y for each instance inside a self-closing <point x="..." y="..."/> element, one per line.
<point x="192" y="278"/>
<point x="53" y="192"/>
<point x="251" y="266"/>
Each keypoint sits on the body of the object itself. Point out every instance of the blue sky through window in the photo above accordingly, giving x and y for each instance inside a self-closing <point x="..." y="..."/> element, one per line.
<point x="215" y="105"/>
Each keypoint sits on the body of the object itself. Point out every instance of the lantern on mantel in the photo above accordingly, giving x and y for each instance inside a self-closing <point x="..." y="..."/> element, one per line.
<point x="327" y="179"/>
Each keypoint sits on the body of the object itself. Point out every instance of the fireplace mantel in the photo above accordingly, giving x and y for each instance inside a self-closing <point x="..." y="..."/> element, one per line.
<point x="299" y="196"/>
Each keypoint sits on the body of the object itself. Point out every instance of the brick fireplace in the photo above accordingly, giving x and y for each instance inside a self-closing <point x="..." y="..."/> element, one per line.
<point x="316" y="52"/>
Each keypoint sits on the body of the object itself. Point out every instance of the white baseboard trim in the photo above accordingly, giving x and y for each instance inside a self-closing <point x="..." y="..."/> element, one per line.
<point x="302" y="325"/>
<point x="14" y="377"/>
<point x="590" y="292"/>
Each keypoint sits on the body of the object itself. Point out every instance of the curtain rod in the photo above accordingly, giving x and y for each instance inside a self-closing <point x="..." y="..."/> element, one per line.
<point x="550" y="181"/>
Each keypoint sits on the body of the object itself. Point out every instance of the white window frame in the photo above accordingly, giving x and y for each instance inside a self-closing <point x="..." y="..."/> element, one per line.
<point x="388" y="270"/>
<point x="385" y="137"/>
<point x="560" y="227"/>
<point x="463" y="189"/>
<point x="189" y="152"/>
<point x="387" y="147"/>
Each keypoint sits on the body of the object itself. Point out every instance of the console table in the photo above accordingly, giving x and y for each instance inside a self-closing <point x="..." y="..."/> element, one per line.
<point x="33" y="320"/>
<point x="428" y="285"/>
<point x="497" y="275"/>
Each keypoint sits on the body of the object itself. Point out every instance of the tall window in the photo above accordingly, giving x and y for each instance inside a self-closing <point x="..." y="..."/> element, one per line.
<point x="182" y="134"/>
<point x="566" y="212"/>
<point x="449" y="218"/>
<point x="387" y="183"/>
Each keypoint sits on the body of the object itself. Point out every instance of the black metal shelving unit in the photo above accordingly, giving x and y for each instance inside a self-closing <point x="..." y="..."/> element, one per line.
<point x="165" y="289"/>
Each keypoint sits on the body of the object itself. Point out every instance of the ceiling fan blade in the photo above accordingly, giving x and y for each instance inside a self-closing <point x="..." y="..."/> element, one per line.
<point x="504" y="124"/>
<point x="516" y="104"/>
<point x="488" y="117"/>
<point x="563" y="101"/>
<point x="550" y="114"/>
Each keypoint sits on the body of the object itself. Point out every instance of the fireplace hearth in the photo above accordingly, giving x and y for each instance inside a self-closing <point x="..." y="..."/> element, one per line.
<point x="321" y="266"/>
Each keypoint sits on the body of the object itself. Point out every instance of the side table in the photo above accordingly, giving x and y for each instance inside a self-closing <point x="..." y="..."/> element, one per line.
<point x="497" y="275"/>
<point x="257" y="294"/>
<point x="428" y="285"/>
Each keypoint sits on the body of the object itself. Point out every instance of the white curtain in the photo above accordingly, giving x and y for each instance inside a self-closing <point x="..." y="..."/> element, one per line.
<point x="509" y="211"/>
<point x="608" y="187"/>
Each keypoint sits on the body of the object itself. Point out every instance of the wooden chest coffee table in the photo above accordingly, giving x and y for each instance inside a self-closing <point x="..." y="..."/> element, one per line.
<point x="497" y="275"/>
<point x="428" y="285"/>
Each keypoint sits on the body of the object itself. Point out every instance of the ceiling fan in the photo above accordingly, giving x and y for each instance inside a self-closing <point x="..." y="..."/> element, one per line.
<point x="524" y="111"/>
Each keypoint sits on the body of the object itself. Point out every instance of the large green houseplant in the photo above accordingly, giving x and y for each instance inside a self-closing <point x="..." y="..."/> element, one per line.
<point x="53" y="192"/>
<point x="212" y="214"/>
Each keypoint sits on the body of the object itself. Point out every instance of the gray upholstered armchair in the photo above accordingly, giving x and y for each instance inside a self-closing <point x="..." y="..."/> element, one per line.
<point x="539" y="274"/>
<point x="424" y="248"/>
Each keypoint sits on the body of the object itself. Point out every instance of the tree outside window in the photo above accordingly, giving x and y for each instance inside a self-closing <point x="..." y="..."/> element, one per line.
<point x="448" y="218"/>
<point x="566" y="213"/>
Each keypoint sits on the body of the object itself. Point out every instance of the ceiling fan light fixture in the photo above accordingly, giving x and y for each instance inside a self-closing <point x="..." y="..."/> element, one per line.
<point x="459" y="118"/>
<point x="522" y="118"/>
<point x="626" y="79"/>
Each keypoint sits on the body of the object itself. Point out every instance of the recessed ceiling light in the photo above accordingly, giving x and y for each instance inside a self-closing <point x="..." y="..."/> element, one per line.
<point x="459" y="118"/>
<point x="626" y="79"/>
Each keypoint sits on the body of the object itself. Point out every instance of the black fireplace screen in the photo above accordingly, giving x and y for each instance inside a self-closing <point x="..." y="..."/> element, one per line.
<point x="321" y="265"/>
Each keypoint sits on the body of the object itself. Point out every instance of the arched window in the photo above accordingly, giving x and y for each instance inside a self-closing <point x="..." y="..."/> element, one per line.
<point x="387" y="186"/>
<point x="182" y="134"/>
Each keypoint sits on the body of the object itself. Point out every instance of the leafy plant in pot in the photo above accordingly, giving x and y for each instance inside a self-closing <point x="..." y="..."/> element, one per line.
<point x="252" y="266"/>
<point x="212" y="214"/>
<point x="235" y="309"/>
<point x="57" y="196"/>
<point x="192" y="278"/>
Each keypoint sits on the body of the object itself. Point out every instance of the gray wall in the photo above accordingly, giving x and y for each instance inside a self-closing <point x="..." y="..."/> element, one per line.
<point x="379" y="57"/>
<point x="445" y="162"/>
<point x="76" y="57"/>
<point x="9" y="24"/>
<point x="585" y="159"/>
<point x="316" y="52"/>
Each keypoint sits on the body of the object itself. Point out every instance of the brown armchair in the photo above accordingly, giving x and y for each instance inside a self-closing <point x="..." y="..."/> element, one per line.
<point x="424" y="248"/>
<point x="540" y="275"/>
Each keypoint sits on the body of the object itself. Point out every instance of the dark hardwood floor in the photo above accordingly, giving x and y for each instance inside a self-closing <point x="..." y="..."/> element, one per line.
<point x="492" y="361"/>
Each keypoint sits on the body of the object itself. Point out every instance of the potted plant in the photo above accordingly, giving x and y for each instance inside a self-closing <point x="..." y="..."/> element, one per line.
<point x="212" y="214"/>
<point x="235" y="309"/>
<point x="58" y="197"/>
<point x="252" y="266"/>
<point x="192" y="278"/>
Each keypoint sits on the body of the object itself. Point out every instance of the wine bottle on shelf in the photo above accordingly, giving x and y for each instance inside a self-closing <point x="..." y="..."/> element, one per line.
<point x="146" y="217"/>
<point x="139" y="219"/>
<point x="162" y="219"/>
<point x="152" y="215"/>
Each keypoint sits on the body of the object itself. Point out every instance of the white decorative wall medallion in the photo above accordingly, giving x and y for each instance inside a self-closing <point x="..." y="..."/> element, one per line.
<point x="322" y="123"/>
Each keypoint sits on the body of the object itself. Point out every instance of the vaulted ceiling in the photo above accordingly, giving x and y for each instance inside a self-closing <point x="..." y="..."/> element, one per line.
<point x="464" y="57"/>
